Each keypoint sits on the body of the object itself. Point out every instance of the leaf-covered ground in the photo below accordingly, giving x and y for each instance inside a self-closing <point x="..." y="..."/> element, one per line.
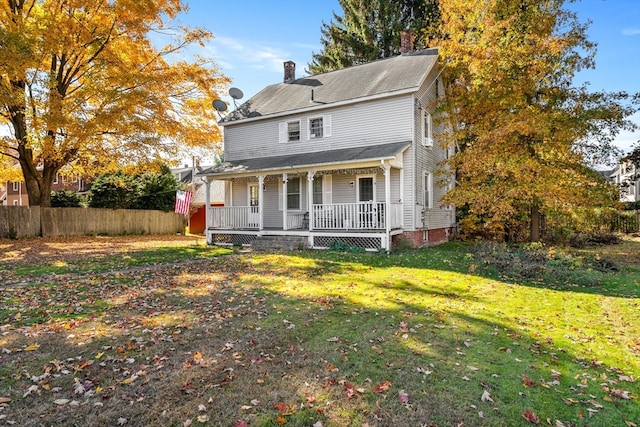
<point x="165" y="331"/>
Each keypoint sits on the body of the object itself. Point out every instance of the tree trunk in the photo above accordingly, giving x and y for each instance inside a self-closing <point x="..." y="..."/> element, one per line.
<point x="33" y="179"/>
<point x="534" y="235"/>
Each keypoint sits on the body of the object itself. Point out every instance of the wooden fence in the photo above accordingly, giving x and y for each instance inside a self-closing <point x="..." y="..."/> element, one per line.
<point x="24" y="221"/>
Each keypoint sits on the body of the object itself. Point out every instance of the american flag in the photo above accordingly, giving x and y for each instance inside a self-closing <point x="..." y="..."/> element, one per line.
<point x="183" y="200"/>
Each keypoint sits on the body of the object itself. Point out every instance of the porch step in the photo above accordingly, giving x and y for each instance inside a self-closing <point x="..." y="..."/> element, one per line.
<point x="275" y="243"/>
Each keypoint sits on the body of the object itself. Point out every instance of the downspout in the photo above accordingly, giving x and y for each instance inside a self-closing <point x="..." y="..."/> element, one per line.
<point x="285" y="180"/>
<point x="387" y="201"/>
<point x="260" y="202"/>
<point x="207" y="204"/>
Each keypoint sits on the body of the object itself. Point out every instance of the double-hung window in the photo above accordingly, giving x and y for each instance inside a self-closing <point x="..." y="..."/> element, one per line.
<point x="293" y="131"/>
<point x="427" y="140"/>
<point x="293" y="193"/>
<point x="319" y="127"/>
<point x="316" y="128"/>
<point x="289" y="131"/>
<point x="428" y="190"/>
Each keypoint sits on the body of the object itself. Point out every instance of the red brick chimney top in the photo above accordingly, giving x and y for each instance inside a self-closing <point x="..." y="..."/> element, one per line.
<point x="406" y="41"/>
<point x="289" y="71"/>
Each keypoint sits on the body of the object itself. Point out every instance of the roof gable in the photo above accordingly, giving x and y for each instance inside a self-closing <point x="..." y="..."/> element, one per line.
<point x="385" y="76"/>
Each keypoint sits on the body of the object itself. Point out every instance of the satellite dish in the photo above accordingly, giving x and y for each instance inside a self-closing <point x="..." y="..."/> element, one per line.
<point x="219" y="105"/>
<point x="254" y="114"/>
<point x="235" y="93"/>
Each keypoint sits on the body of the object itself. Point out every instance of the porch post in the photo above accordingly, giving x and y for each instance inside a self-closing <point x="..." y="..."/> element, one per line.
<point x="260" y="202"/>
<point x="310" y="176"/>
<point x="387" y="202"/>
<point x="284" y="201"/>
<point x="207" y="204"/>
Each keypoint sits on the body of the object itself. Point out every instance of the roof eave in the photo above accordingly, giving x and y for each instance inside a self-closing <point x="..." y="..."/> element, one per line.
<point x="318" y="107"/>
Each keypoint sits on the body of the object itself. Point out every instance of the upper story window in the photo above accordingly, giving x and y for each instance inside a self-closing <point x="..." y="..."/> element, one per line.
<point x="293" y="131"/>
<point x="16" y="185"/>
<point x="319" y="127"/>
<point x="427" y="138"/>
<point x="289" y="131"/>
<point x="316" y="128"/>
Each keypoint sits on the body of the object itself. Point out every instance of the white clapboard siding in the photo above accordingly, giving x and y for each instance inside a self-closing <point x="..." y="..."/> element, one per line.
<point x="366" y="123"/>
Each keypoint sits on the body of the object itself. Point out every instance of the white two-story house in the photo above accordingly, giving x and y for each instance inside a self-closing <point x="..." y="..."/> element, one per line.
<point x="349" y="157"/>
<point x="625" y="177"/>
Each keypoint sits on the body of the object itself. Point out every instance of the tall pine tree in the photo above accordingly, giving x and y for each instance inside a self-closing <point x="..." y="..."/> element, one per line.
<point x="370" y="30"/>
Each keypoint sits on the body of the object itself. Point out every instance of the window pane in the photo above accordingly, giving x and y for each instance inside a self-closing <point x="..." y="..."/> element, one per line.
<point x="293" y="129"/>
<point x="366" y="189"/>
<point x="317" y="190"/>
<point x="293" y="193"/>
<point x="315" y="128"/>
<point x="253" y="195"/>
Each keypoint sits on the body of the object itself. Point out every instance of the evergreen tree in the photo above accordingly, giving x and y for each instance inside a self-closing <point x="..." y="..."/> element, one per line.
<point x="370" y="30"/>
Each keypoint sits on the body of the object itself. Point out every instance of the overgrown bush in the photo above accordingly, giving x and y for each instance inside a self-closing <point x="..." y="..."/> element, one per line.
<point x="582" y="240"/>
<point x="66" y="199"/>
<point x="534" y="262"/>
<point x="144" y="190"/>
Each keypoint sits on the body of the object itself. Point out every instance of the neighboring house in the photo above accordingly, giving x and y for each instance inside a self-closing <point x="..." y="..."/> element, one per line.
<point x="17" y="190"/>
<point x="343" y="158"/>
<point x="187" y="176"/>
<point x="3" y="196"/>
<point x="625" y="176"/>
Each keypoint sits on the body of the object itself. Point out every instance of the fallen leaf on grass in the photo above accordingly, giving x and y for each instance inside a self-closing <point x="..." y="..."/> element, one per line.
<point x="61" y="402"/>
<point x="4" y="399"/>
<point x="383" y="386"/>
<point x="404" y="397"/>
<point x="240" y="423"/>
<point x="203" y="418"/>
<point x="531" y="417"/>
<point x="486" y="397"/>
<point x="122" y="421"/>
<point x="528" y="382"/>
<point x="620" y="394"/>
<point x="32" y="347"/>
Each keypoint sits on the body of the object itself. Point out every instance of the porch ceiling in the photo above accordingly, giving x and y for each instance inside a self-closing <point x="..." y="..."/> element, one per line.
<point x="330" y="159"/>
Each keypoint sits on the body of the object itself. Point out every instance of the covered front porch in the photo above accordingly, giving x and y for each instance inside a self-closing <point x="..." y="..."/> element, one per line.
<point x="354" y="203"/>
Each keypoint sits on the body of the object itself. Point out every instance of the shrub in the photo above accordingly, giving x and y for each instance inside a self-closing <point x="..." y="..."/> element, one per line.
<point x="66" y="199"/>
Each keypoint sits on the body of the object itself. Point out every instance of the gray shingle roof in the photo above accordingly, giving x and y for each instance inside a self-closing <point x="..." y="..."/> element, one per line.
<point x="389" y="75"/>
<point x="330" y="157"/>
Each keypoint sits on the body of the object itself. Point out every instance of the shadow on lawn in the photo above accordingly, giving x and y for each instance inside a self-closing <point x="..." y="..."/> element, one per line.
<point x="304" y="338"/>
<point x="457" y="257"/>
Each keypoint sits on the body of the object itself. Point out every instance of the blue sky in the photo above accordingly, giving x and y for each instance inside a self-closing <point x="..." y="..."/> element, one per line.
<point x="254" y="37"/>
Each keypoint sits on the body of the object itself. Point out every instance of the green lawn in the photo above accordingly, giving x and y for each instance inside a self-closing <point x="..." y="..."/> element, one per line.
<point x="446" y="336"/>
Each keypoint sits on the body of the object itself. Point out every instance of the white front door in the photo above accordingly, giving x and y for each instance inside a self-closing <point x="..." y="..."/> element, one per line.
<point x="254" y="201"/>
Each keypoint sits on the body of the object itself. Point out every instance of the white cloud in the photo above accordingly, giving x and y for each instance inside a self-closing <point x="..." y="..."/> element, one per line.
<point x="631" y="31"/>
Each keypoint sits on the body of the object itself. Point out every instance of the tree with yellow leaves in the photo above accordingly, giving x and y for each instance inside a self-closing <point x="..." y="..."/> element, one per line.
<point x="524" y="133"/>
<point x="84" y="84"/>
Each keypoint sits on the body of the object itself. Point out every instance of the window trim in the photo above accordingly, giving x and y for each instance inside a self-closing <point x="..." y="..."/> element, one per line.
<point x="16" y="185"/>
<point x="373" y="184"/>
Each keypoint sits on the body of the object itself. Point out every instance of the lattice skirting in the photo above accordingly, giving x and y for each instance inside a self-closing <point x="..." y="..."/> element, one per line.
<point x="232" y="239"/>
<point x="370" y="242"/>
<point x="366" y="242"/>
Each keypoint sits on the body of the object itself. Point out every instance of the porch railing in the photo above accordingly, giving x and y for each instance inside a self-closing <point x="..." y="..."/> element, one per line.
<point x="355" y="216"/>
<point x="337" y="216"/>
<point x="234" y="217"/>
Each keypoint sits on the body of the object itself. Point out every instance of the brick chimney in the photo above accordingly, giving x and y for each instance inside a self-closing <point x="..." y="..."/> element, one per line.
<point x="289" y="71"/>
<point x="406" y="41"/>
